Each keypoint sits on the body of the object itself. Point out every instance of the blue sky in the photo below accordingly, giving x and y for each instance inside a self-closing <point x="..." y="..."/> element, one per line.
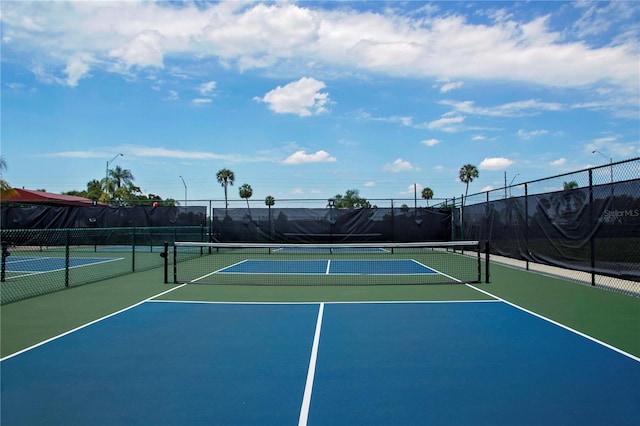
<point x="310" y="99"/>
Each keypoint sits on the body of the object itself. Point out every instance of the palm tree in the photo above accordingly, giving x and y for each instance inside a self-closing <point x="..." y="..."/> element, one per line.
<point x="5" y="188"/>
<point x="427" y="194"/>
<point x="246" y="192"/>
<point x="468" y="172"/>
<point x="270" y="201"/>
<point x="94" y="189"/>
<point x="570" y="185"/>
<point x="122" y="177"/>
<point x="119" y="184"/>
<point x="225" y="178"/>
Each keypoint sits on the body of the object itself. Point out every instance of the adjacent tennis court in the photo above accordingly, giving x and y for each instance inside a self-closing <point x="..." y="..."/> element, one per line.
<point x="38" y="265"/>
<point x="446" y="363"/>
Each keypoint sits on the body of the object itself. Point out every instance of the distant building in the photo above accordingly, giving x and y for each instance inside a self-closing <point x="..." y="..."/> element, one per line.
<point x="28" y="196"/>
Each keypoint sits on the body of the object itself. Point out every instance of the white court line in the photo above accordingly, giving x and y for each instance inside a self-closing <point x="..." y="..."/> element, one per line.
<point x="306" y="399"/>
<point x="437" y="272"/>
<point x="89" y="323"/>
<point x="328" y="267"/>
<point x="218" y="271"/>
<point x="31" y="273"/>
<point x="586" y="336"/>
<point x="354" y="302"/>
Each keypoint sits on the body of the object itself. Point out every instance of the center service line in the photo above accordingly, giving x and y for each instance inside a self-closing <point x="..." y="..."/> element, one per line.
<point x="306" y="399"/>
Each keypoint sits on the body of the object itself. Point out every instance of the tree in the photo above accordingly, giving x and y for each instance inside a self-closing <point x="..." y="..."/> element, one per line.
<point x="94" y="189"/>
<point x="225" y="178"/>
<point x="569" y="185"/>
<point x="246" y="192"/>
<point x="5" y="188"/>
<point x="270" y="201"/>
<point x="468" y="173"/>
<point x="351" y="200"/>
<point x="118" y="185"/>
<point x="427" y="194"/>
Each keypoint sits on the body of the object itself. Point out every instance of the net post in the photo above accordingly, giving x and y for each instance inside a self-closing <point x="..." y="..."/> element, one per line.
<point x="487" y="249"/>
<point x="165" y="256"/>
<point x="175" y="264"/>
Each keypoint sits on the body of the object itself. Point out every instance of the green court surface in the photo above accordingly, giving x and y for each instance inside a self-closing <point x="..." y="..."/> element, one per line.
<point x="609" y="317"/>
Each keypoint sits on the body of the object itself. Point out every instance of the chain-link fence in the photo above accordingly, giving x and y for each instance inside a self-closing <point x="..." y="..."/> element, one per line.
<point x="40" y="261"/>
<point x="584" y="225"/>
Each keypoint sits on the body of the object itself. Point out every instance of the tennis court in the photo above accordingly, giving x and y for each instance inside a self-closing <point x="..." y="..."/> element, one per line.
<point x="522" y="349"/>
<point x="37" y="265"/>
<point x="326" y="267"/>
<point x="327" y="264"/>
<point x="446" y="362"/>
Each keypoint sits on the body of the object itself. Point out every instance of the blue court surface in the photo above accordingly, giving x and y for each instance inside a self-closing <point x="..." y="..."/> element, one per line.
<point x="50" y="264"/>
<point x="430" y="363"/>
<point x="332" y="249"/>
<point x="360" y="267"/>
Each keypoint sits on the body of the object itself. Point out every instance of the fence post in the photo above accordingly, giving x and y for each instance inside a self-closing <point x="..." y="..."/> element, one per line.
<point x="592" y="241"/>
<point x="133" y="248"/>
<point x="487" y="247"/>
<point x="527" y="224"/>
<point x="66" y="258"/>
<point x="5" y="254"/>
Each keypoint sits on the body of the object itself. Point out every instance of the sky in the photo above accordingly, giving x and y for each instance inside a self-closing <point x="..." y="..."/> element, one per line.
<point x="306" y="100"/>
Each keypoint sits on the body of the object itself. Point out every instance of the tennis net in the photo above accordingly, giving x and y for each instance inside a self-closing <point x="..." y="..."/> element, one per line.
<point x="328" y="264"/>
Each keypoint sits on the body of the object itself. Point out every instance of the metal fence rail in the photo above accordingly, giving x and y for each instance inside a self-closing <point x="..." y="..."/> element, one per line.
<point x="40" y="261"/>
<point x="583" y="225"/>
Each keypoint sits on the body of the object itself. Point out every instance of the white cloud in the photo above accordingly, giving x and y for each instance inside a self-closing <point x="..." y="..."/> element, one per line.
<point x="415" y="188"/>
<point x="497" y="163"/>
<point x="448" y="123"/>
<point x="523" y="134"/>
<point x="558" y="162"/>
<point x="76" y="69"/>
<point x="447" y="87"/>
<point x="144" y="50"/>
<point x="611" y="147"/>
<point x="302" y="97"/>
<point x="426" y="44"/>
<point x="369" y="184"/>
<point x="430" y="142"/>
<point x="172" y="96"/>
<point x="398" y="166"/>
<point x="511" y="109"/>
<point x="207" y="88"/>
<point x="77" y="154"/>
<point x="301" y="157"/>
<point x="201" y="101"/>
<point x="144" y="151"/>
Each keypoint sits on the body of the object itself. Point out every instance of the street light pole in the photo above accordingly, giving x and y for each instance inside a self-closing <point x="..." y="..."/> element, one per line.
<point x="510" y="183"/>
<point x="185" y="191"/>
<point x="610" y="162"/>
<point x="106" y="173"/>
